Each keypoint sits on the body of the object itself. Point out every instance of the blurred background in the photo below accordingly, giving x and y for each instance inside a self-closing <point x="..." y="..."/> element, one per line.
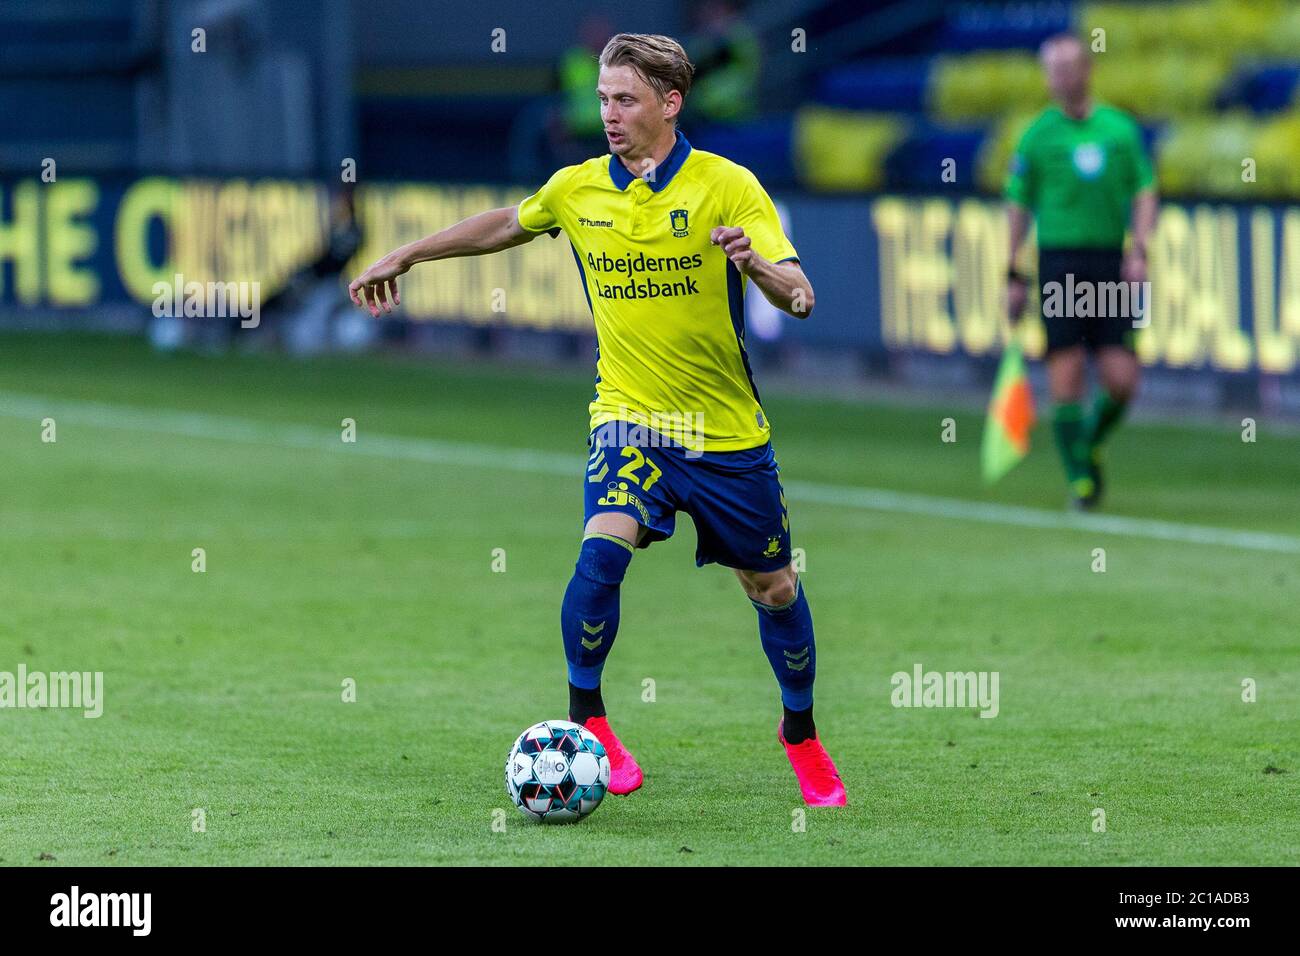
<point x="289" y="143"/>
<point x="241" y="498"/>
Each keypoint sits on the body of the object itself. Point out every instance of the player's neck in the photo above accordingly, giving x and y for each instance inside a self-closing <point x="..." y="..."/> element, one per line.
<point x="653" y="157"/>
<point x="1078" y="109"/>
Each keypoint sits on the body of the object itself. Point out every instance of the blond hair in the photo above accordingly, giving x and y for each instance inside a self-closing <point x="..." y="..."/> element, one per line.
<point x="659" y="60"/>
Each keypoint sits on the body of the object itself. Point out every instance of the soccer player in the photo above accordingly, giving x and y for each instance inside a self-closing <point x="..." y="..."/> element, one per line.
<point x="1080" y="170"/>
<point x="666" y="238"/>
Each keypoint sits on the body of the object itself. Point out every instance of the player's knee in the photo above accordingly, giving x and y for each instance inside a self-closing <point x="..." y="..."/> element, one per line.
<point x="604" y="559"/>
<point x="774" y="590"/>
<point x="1067" y="374"/>
<point x="1119" y="372"/>
<point x="779" y="594"/>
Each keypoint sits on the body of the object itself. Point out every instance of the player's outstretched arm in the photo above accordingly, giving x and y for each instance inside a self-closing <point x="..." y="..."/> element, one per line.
<point x="782" y="283"/>
<point x="491" y="231"/>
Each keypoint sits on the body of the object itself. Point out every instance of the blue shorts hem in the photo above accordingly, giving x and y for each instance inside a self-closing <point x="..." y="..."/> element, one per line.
<point x="773" y="564"/>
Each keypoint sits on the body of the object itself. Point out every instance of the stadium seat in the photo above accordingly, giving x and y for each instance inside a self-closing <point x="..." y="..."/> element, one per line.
<point x="763" y="146"/>
<point x="985" y="85"/>
<point x="918" y="161"/>
<point x="840" y="150"/>
<point x="970" y="26"/>
<point x="1263" y="87"/>
<point x="881" y="85"/>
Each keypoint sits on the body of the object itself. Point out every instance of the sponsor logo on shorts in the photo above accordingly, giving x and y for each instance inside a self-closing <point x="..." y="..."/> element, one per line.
<point x="617" y="496"/>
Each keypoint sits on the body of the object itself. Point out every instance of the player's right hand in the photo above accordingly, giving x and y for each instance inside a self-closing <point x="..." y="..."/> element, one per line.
<point x="1017" y="297"/>
<point x="373" y="287"/>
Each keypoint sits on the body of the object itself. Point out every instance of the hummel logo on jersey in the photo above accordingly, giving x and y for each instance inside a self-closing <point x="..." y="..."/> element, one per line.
<point x="602" y="223"/>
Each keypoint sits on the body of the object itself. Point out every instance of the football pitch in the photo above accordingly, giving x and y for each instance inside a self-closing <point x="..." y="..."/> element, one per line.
<point x="426" y="562"/>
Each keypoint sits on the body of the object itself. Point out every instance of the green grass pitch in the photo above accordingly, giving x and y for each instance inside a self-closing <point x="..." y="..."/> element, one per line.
<point x="1120" y="691"/>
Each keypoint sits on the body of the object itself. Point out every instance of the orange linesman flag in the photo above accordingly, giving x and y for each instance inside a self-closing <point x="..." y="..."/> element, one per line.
<point x="1011" y="416"/>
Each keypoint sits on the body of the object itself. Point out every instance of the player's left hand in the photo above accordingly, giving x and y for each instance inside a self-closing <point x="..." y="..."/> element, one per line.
<point x="735" y="244"/>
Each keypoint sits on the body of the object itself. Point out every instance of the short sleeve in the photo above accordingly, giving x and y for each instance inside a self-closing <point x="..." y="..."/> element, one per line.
<point x="752" y="209"/>
<point x="1021" y="187"/>
<point x="539" y="212"/>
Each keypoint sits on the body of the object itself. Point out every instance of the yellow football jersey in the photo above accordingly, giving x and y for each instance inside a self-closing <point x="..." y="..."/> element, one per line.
<point x="668" y="305"/>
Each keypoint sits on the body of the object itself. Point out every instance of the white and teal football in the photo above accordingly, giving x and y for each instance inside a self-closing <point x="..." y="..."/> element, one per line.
<point x="557" y="771"/>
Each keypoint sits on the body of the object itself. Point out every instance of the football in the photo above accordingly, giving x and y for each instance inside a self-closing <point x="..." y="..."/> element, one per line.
<point x="557" y="772"/>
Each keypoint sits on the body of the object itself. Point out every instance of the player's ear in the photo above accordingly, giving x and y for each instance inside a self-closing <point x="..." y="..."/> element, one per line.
<point x="672" y="104"/>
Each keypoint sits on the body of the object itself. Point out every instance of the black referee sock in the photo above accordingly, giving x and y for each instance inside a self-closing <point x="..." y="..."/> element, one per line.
<point x="798" y="725"/>
<point x="585" y="704"/>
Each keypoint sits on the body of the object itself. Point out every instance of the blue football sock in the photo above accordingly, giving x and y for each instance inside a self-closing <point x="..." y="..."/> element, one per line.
<point x="786" y="632"/>
<point x="589" y="615"/>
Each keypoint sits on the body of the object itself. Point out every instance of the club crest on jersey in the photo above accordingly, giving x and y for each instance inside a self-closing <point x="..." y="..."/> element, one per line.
<point x="677" y="219"/>
<point x="773" y="548"/>
<point x="1089" y="159"/>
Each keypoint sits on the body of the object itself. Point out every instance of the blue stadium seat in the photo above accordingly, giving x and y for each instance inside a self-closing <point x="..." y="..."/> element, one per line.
<point x="763" y="146"/>
<point x="970" y="26"/>
<point x="1264" y="88"/>
<point x="53" y="39"/>
<point x="880" y="85"/>
<point x="53" y="109"/>
<point x="917" y="162"/>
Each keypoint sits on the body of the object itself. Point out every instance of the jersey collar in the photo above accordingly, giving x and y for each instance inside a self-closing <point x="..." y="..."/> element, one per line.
<point x="622" y="176"/>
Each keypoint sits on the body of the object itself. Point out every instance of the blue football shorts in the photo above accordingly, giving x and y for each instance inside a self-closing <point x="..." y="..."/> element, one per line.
<point x="734" y="498"/>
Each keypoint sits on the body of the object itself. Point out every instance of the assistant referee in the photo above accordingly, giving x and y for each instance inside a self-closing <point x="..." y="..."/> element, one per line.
<point x="1081" y="172"/>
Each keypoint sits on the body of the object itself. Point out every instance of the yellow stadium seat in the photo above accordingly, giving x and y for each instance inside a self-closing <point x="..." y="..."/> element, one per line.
<point x="844" y="149"/>
<point x="985" y="85"/>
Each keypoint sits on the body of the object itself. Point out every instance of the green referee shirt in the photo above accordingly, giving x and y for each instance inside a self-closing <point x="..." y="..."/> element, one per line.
<point x="1079" y="177"/>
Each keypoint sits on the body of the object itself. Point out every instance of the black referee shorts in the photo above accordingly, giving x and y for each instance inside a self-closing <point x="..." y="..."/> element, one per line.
<point x="1070" y="268"/>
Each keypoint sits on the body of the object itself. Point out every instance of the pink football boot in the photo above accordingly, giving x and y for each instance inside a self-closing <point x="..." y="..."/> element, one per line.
<point x="818" y="779"/>
<point x="624" y="774"/>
